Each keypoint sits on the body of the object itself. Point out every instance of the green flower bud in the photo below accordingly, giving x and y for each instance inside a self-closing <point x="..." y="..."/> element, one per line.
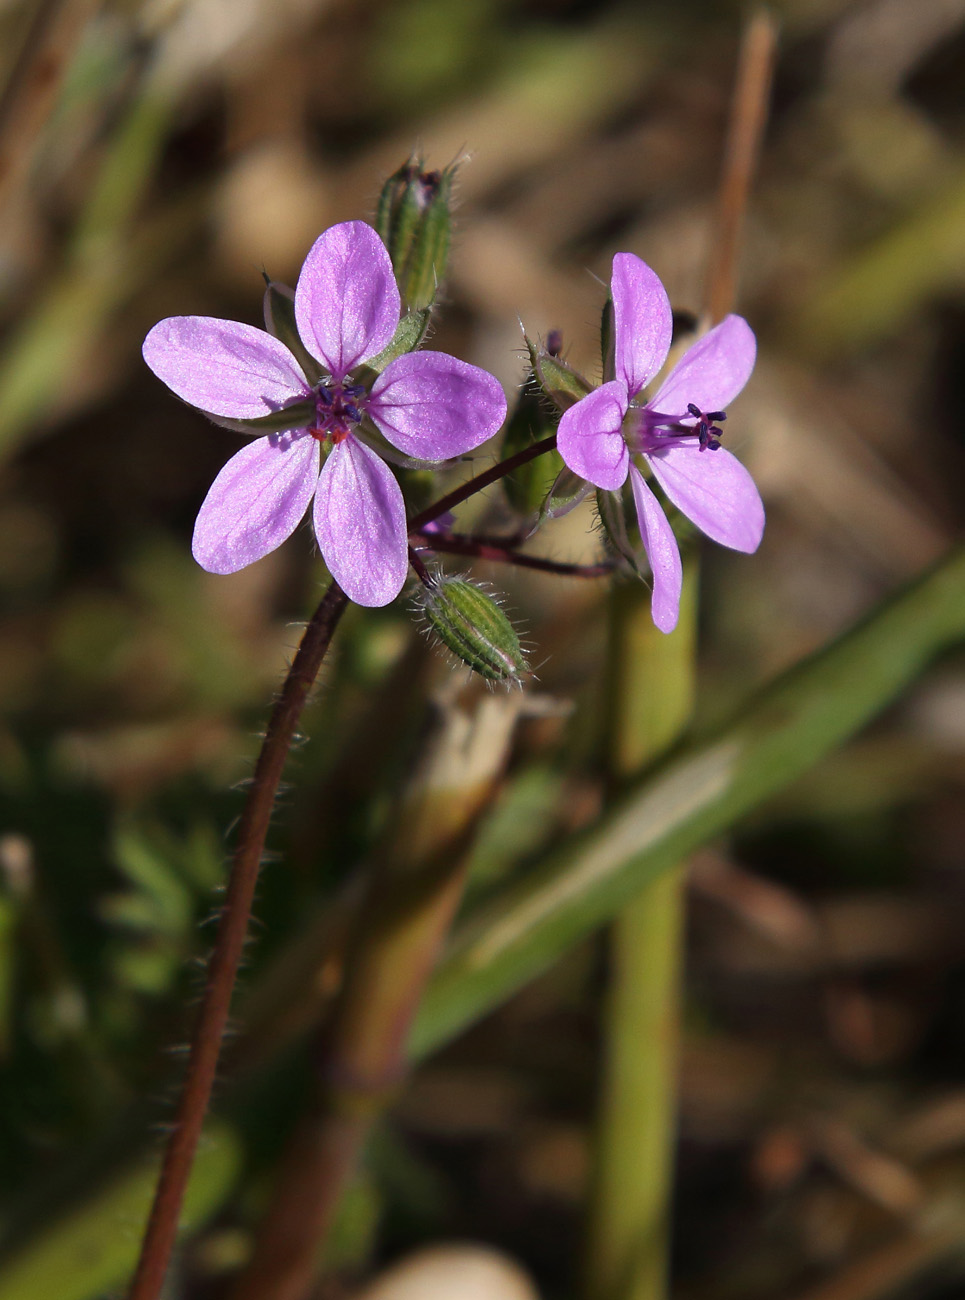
<point x="470" y="624"/>
<point x="414" y="220"/>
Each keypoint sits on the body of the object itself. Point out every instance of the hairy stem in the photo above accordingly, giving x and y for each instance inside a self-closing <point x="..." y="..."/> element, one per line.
<point x="484" y="480"/>
<point x="162" y="1227"/>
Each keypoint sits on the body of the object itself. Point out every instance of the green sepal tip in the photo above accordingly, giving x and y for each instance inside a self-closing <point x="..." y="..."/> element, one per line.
<point x="563" y="385"/>
<point x="280" y="322"/>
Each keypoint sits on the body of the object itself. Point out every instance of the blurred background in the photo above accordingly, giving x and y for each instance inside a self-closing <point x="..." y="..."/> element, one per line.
<point x="154" y="159"/>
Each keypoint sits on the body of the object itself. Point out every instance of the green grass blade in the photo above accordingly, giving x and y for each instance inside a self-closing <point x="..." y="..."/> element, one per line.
<point x="692" y="797"/>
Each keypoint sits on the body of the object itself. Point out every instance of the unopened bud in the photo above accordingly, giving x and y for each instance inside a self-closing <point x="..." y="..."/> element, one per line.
<point x="414" y="221"/>
<point x="471" y="624"/>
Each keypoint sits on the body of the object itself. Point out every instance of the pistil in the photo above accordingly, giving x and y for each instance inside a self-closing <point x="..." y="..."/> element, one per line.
<point x="338" y="409"/>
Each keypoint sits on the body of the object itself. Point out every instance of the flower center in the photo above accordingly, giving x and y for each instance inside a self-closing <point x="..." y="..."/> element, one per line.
<point x="654" y="430"/>
<point x="338" y="409"/>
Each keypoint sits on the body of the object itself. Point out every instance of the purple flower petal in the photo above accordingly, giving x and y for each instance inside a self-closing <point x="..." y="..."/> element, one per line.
<point x="642" y="321"/>
<point x="223" y="366"/>
<point x="662" y="552"/>
<point x="714" y="490"/>
<point x="712" y="372"/>
<point x="256" y="501"/>
<point x="347" y="303"/>
<point x="360" y="524"/>
<point x="432" y="406"/>
<point x="589" y="437"/>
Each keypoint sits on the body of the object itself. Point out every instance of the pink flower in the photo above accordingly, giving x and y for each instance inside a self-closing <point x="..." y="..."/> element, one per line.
<point x="675" y="433"/>
<point x="427" y="404"/>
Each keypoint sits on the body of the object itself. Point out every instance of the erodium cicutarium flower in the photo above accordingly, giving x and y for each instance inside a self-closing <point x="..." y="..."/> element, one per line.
<point x="609" y="433"/>
<point x="428" y="405"/>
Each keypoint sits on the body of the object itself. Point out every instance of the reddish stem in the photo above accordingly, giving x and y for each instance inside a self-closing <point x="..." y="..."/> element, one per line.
<point x="489" y="476"/>
<point x="463" y="544"/>
<point x="162" y="1226"/>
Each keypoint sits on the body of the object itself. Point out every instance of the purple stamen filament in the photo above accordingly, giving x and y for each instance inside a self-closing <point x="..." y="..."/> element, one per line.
<point x="656" y="429"/>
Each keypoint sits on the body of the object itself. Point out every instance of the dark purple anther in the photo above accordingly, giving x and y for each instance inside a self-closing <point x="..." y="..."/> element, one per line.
<point x="339" y="408"/>
<point x="708" y="435"/>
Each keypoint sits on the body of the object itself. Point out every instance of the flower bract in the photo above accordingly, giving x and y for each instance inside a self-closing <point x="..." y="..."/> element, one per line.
<point x="426" y="404"/>
<point x="675" y="434"/>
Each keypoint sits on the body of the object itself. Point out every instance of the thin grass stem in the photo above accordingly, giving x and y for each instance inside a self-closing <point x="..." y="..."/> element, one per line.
<point x="650" y="687"/>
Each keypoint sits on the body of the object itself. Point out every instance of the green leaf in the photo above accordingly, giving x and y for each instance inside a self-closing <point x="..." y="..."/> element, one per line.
<point x="690" y="798"/>
<point x="94" y="1247"/>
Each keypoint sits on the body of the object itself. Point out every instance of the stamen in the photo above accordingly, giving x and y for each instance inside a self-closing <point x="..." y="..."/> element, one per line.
<point x="708" y="434"/>
<point x="339" y="408"/>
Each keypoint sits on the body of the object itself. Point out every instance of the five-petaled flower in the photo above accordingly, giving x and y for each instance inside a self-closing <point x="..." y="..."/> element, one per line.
<point x="428" y="405"/>
<point x="675" y="433"/>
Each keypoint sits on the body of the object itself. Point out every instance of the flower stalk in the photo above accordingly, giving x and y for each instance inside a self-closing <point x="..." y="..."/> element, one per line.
<point x="223" y="966"/>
